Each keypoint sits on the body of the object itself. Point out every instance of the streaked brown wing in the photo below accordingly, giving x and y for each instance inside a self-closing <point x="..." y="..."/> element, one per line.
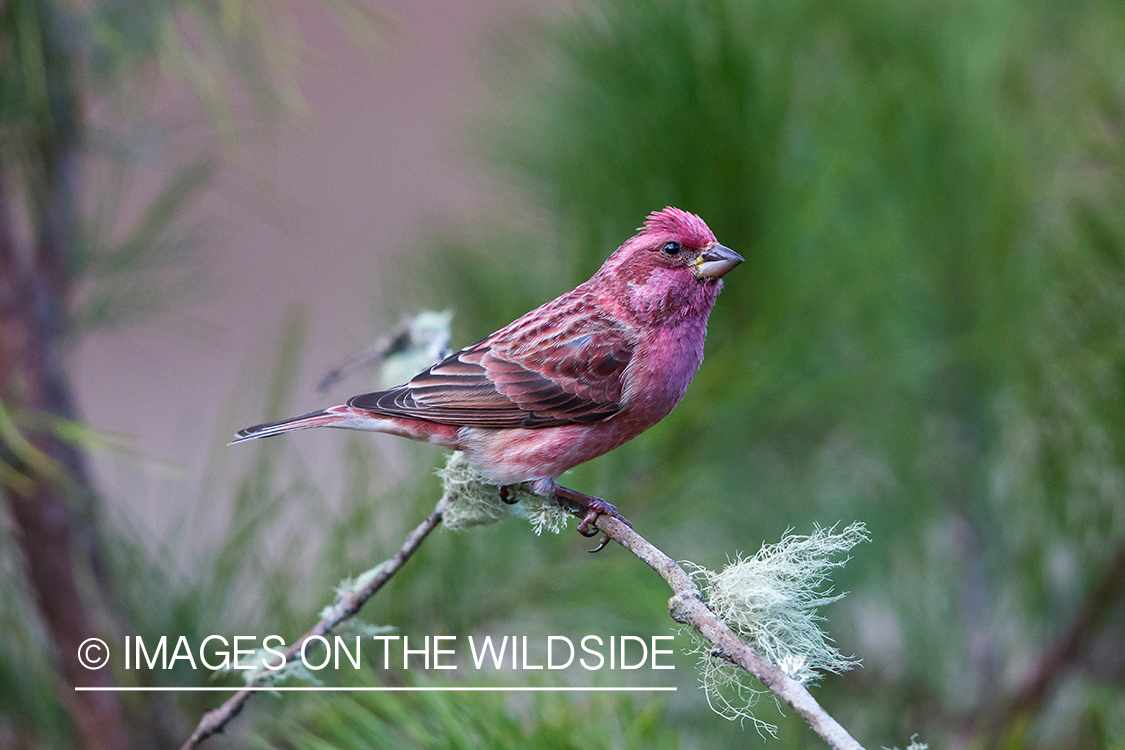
<point x="522" y="376"/>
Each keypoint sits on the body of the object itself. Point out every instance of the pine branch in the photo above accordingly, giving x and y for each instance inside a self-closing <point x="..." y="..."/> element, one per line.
<point x="686" y="606"/>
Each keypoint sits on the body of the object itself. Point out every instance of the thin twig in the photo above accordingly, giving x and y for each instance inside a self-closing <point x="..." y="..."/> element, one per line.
<point x="348" y="606"/>
<point x="687" y="607"/>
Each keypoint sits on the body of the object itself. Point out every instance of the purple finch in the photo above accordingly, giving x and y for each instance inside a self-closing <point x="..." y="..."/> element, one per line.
<point x="568" y="381"/>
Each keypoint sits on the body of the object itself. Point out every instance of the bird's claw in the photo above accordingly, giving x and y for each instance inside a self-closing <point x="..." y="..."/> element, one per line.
<point x="506" y="494"/>
<point x="584" y="525"/>
<point x="601" y="544"/>
<point x="597" y="507"/>
<point x="592" y="507"/>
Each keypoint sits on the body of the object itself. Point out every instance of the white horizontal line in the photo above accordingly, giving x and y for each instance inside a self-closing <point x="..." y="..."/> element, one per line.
<point x="313" y="689"/>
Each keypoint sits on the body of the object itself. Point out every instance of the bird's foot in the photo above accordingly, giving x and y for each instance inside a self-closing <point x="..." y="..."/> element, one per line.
<point x="506" y="494"/>
<point x="591" y="507"/>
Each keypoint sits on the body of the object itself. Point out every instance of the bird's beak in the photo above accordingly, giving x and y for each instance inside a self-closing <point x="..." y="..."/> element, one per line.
<point x="715" y="261"/>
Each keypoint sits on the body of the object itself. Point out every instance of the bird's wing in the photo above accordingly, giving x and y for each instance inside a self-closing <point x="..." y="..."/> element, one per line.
<point x="531" y="374"/>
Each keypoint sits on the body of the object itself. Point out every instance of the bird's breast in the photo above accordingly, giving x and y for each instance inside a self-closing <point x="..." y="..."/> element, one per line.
<point x="662" y="370"/>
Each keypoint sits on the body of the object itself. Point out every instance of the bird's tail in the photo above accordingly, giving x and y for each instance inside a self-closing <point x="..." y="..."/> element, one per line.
<point x="323" y="418"/>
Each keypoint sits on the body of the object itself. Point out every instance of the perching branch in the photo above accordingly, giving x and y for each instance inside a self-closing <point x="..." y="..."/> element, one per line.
<point x="347" y="608"/>
<point x="686" y="606"/>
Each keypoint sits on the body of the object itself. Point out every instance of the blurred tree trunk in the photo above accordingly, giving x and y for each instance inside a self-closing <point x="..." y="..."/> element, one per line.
<point x="47" y="487"/>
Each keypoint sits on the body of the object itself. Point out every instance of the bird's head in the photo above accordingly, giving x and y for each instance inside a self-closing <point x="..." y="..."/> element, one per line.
<point x="673" y="262"/>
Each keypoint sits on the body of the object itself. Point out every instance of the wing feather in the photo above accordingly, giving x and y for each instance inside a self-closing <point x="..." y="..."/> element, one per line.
<point x="568" y="369"/>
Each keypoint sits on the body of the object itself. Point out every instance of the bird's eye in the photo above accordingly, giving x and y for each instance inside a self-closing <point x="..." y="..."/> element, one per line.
<point x="670" y="248"/>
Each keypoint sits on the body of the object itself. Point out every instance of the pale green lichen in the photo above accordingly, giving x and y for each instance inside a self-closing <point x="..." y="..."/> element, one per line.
<point x="426" y="342"/>
<point x="771" y="601"/>
<point x="544" y="515"/>
<point x="470" y="500"/>
<point x="262" y="676"/>
<point x="350" y="586"/>
<point x="914" y="744"/>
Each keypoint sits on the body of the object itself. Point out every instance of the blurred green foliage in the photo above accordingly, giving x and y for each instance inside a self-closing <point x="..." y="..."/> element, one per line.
<point x="469" y="721"/>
